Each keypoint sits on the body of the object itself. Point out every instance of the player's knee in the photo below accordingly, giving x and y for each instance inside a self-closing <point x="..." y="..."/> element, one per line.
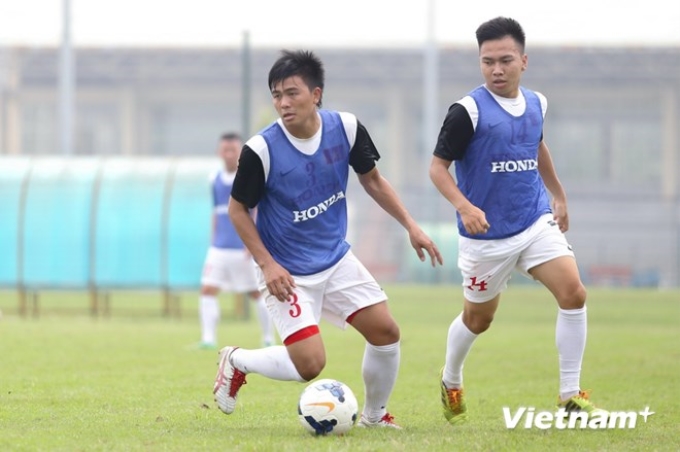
<point x="389" y="333"/>
<point x="581" y="294"/>
<point x="477" y="323"/>
<point x="575" y="298"/>
<point x="310" y="368"/>
<point x="376" y="324"/>
<point x="383" y="334"/>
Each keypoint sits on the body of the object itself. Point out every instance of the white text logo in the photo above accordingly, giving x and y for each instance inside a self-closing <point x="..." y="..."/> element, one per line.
<point x="562" y="419"/>
<point x="312" y="212"/>
<point x="513" y="166"/>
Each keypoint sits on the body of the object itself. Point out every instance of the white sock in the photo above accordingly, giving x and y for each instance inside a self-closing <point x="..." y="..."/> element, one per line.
<point x="458" y="344"/>
<point x="570" y="337"/>
<point x="266" y="324"/>
<point x="379" y="369"/>
<point x="209" y="313"/>
<point x="271" y="362"/>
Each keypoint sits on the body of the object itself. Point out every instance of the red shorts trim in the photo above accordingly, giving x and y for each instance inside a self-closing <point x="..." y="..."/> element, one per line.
<point x="351" y="316"/>
<point x="301" y="334"/>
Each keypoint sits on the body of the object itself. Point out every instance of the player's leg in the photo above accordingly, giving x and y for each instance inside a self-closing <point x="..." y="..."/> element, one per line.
<point x="208" y="306"/>
<point x="209" y="314"/>
<point x="296" y="321"/>
<point x="241" y="279"/>
<point x="561" y="277"/>
<point x="463" y="331"/>
<point x="380" y="365"/>
<point x="301" y="358"/>
<point x="483" y="282"/>
<point x="263" y="317"/>
<point x="550" y="260"/>
<point x="353" y="295"/>
<point x="244" y="280"/>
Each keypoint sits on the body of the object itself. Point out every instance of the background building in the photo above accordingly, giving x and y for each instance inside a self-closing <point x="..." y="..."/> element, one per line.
<point x="613" y="127"/>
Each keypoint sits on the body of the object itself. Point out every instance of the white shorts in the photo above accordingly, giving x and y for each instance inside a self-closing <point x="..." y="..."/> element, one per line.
<point x="486" y="265"/>
<point x="230" y="270"/>
<point x="333" y="294"/>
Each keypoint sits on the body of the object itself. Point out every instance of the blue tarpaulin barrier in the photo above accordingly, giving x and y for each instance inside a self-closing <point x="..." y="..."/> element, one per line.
<point x="104" y="222"/>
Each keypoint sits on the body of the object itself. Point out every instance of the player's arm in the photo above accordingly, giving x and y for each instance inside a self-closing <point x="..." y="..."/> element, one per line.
<point x="549" y="175"/>
<point x="245" y="195"/>
<point x="454" y="137"/>
<point x="362" y="158"/>
<point x="253" y="215"/>
<point x="239" y="214"/>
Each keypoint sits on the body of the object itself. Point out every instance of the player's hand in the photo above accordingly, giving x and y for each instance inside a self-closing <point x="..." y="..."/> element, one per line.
<point x="560" y="214"/>
<point x="474" y="220"/>
<point x="419" y="241"/>
<point x="280" y="283"/>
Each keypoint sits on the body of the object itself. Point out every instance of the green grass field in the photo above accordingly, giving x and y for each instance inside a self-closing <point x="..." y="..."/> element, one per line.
<point x="131" y="382"/>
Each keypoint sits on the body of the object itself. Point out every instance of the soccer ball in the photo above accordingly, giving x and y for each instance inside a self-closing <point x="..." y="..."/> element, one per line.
<point x="328" y="407"/>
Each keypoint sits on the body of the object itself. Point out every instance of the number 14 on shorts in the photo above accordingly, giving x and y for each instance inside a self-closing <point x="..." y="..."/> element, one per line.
<point x="477" y="284"/>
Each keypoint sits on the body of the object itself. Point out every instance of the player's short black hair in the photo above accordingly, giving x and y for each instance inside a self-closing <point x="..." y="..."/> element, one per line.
<point x="302" y="63"/>
<point x="499" y="28"/>
<point x="229" y="136"/>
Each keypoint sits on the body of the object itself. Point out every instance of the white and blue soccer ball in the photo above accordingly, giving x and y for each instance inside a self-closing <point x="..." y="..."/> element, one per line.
<point x="328" y="407"/>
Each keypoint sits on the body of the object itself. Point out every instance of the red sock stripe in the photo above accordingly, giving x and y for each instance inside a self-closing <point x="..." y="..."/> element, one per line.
<point x="302" y="334"/>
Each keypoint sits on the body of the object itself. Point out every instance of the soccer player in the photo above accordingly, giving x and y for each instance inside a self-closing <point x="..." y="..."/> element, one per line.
<point x="295" y="171"/>
<point x="228" y="264"/>
<point x="505" y="219"/>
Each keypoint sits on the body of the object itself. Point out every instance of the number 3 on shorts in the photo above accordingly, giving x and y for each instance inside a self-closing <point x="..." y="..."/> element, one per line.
<point x="295" y="309"/>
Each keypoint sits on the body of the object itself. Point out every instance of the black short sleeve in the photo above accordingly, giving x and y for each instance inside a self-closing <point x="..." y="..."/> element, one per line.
<point x="363" y="155"/>
<point x="455" y="134"/>
<point x="248" y="185"/>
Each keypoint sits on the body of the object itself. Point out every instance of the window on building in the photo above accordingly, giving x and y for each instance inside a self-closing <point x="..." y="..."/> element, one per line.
<point x="190" y="129"/>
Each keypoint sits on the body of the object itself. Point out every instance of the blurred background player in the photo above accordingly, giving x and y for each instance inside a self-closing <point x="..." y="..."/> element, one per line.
<point x="228" y="264"/>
